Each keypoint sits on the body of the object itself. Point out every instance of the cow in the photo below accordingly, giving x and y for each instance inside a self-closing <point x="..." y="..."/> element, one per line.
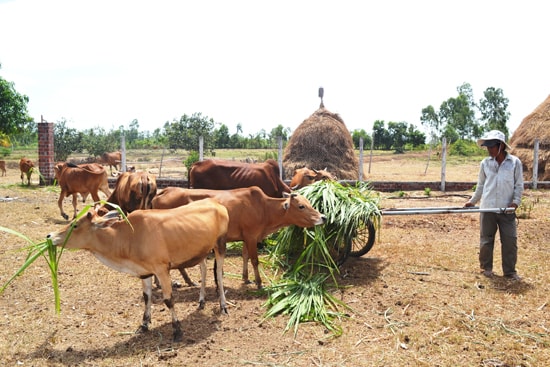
<point x="252" y="215"/>
<point x="3" y="167"/>
<point x="83" y="179"/>
<point x="152" y="243"/>
<point x="306" y="176"/>
<point x="27" y="167"/>
<point x="226" y="175"/>
<point x="133" y="191"/>
<point x="112" y="159"/>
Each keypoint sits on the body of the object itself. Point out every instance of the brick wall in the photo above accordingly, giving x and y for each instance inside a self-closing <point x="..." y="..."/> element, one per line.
<point x="46" y="152"/>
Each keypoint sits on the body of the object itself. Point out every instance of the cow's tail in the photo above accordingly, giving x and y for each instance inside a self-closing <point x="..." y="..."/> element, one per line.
<point x="145" y="191"/>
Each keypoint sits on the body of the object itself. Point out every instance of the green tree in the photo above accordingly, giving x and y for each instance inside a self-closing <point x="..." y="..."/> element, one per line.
<point x="358" y="134"/>
<point x="398" y="135"/>
<point x="278" y="131"/>
<point x="382" y="138"/>
<point x="493" y="108"/>
<point x="456" y="117"/>
<point x="14" y="117"/>
<point x="221" y="137"/>
<point x="66" y="140"/>
<point x="185" y="132"/>
<point x="97" y="141"/>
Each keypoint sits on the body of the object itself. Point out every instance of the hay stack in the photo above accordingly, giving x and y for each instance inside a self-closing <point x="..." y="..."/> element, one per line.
<point x="322" y="141"/>
<point x="535" y="126"/>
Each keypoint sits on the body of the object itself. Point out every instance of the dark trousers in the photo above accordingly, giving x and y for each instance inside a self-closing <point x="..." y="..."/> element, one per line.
<point x="507" y="228"/>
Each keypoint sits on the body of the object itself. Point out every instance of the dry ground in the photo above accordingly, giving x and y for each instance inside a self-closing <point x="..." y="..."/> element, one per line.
<point x="416" y="297"/>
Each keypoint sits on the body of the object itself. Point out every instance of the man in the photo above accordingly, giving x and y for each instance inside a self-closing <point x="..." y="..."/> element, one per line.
<point x="500" y="185"/>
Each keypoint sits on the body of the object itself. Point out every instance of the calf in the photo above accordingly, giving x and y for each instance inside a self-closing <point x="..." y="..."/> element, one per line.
<point x="26" y="166"/>
<point x="252" y="215"/>
<point x="155" y="242"/>
<point x="112" y="159"/>
<point x="3" y="167"/>
<point x="83" y="179"/>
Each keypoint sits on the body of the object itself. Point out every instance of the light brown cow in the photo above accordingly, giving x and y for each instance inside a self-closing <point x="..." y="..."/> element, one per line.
<point x="83" y="179"/>
<point x="3" y="167"/>
<point x="112" y="159"/>
<point x="156" y="241"/>
<point x="219" y="174"/>
<point x="252" y="215"/>
<point x="306" y="176"/>
<point x="26" y="166"/>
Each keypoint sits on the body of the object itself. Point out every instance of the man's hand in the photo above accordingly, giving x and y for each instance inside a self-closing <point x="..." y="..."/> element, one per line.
<point x="468" y="204"/>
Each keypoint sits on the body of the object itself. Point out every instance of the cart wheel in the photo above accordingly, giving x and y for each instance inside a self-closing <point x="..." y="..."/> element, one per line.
<point x="363" y="241"/>
<point x="340" y="251"/>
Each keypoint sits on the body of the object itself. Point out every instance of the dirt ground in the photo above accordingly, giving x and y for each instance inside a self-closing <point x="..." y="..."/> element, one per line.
<point x="416" y="298"/>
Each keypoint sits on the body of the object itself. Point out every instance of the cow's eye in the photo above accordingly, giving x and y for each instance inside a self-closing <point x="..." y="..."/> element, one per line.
<point x="301" y="206"/>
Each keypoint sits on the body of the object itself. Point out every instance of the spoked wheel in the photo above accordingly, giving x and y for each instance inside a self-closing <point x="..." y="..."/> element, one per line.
<point x="339" y="251"/>
<point x="363" y="240"/>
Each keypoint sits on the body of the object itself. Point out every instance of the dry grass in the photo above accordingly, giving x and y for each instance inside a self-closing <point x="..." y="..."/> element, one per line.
<point x="417" y="299"/>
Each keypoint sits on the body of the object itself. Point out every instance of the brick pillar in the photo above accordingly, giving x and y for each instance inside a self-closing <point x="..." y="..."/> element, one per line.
<point x="45" y="152"/>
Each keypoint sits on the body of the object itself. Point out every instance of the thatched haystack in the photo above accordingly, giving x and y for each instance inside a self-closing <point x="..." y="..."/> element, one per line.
<point x="535" y="126"/>
<point x="322" y="141"/>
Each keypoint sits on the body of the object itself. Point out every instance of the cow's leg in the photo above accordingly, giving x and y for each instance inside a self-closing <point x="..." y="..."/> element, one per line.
<point x="202" y="293"/>
<point x="75" y="199"/>
<point x="245" y="261"/>
<point x="186" y="277"/>
<point x="60" y="204"/>
<point x="252" y="248"/>
<point x="166" y="284"/>
<point x="148" y="300"/>
<point x="219" y="253"/>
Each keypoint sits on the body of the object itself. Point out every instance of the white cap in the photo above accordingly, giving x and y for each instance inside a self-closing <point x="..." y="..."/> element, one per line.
<point x="492" y="135"/>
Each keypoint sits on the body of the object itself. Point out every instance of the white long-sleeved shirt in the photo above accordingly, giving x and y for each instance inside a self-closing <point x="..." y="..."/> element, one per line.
<point x="499" y="186"/>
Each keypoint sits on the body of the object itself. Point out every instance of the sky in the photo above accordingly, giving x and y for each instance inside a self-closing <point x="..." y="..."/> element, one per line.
<point x="260" y="63"/>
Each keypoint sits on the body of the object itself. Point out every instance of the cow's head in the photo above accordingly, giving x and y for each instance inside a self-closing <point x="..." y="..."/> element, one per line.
<point x="306" y="176"/>
<point x="298" y="211"/>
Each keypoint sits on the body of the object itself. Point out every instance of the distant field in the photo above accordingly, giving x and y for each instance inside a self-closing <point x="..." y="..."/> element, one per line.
<point x="382" y="166"/>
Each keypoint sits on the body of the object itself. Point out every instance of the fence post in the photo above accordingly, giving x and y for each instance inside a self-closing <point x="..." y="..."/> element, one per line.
<point x="280" y="155"/>
<point x="360" y="159"/>
<point x="371" y="148"/>
<point x="123" y="153"/>
<point x="443" y="162"/>
<point x="536" y="164"/>
<point x="201" y="148"/>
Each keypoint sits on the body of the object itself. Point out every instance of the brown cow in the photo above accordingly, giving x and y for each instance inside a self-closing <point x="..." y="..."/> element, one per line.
<point x="306" y="176"/>
<point x="27" y="167"/>
<point x="156" y="241"/>
<point x="3" y="167"/>
<point x="226" y="175"/>
<point x="133" y="190"/>
<point x="83" y="179"/>
<point x="112" y="159"/>
<point x="252" y="215"/>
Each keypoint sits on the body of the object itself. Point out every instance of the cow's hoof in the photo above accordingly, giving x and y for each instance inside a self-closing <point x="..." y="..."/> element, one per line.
<point x="142" y="329"/>
<point x="178" y="336"/>
<point x="201" y="305"/>
<point x="223" y="310"/>
<point x="65" y="216"/>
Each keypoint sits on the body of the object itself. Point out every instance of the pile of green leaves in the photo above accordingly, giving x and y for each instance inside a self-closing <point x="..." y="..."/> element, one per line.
<point x="310" y="256"/>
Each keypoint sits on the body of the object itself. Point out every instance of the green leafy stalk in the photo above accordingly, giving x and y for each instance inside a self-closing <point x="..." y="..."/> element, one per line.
<point x="51" y="253"/>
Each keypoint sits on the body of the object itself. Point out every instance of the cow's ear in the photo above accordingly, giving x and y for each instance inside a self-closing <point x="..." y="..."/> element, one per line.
<point x="107" y="220"/>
